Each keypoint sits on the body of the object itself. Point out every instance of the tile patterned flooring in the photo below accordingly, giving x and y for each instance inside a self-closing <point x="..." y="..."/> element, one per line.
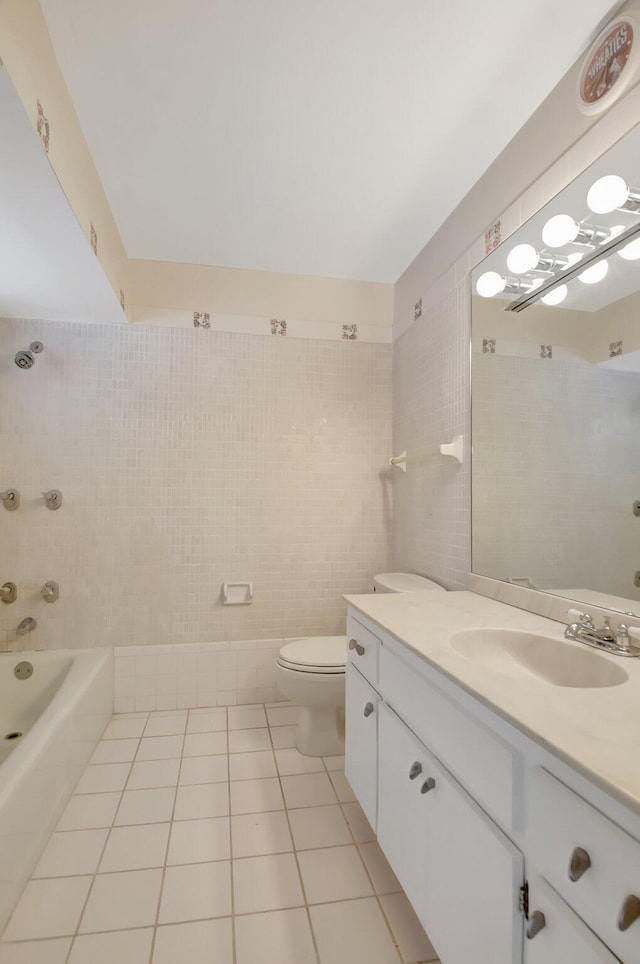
<point x="203" y="836"/>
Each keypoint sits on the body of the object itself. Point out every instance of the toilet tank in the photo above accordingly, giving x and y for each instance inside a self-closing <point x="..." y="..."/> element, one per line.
<point x="404" y="582"/>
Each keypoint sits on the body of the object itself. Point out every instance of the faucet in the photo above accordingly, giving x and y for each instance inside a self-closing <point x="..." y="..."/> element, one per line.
<point x="26" y="626"/>
<point x="617" y="641"/>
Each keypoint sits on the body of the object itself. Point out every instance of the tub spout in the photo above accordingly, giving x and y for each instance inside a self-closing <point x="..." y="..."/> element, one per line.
<point x="26" y="626"/>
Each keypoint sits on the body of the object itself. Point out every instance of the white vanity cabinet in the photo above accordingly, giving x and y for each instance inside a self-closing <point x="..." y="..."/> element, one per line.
<point x="482" y="825"/>
<point x="460" y="872"/>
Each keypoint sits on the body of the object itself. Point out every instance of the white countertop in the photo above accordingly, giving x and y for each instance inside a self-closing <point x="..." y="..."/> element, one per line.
<point x="595" y="730"/>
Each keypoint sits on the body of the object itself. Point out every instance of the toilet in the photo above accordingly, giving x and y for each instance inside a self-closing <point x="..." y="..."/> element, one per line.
<point x="311" y="673"/>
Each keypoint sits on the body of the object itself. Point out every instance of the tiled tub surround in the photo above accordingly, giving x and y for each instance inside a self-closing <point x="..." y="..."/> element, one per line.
<point x="187" y="458"/>
<point x="204" y="835"/>
<point x="190" y="675"/>
<point x="62" y="720"/>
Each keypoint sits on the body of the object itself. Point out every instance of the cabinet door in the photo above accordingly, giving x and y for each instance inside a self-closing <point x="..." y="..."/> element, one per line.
<point x="564" y="939"/>
<point x="459" y="871"/>
<point x="361" y="749"/>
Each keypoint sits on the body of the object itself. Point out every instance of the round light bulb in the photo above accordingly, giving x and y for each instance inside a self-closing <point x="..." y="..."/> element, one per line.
<point x="595" y="273"/>
<point x="490" y="284"/>
<point x="560" y="229"/>
<point x="607" y="193"/>
<point x="631" y="251"/>
<point x="556" y="296"/>
<point x="522" y="258"/>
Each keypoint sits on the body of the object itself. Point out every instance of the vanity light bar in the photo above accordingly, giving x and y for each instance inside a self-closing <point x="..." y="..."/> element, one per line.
<point x="600" y="253"/>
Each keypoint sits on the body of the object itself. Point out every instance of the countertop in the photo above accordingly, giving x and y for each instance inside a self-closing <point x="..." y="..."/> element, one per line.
<point x="596" y="730"/>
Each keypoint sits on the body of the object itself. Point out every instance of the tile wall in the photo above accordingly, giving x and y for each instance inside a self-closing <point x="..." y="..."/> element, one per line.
<point x="431" y="530"/>
<point x="568" y="528"/>
<point x="187" y="458"/>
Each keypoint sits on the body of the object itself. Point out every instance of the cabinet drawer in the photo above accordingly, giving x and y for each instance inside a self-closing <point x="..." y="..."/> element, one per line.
<point x="364" y="648"/>
<point x="559" y="822"/>
<point x="564" y="938"/>
<point x="482" y="762"/>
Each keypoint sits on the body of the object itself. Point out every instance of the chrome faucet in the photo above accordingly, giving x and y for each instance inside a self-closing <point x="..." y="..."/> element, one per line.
<point x="26" y="626"/>
<point x="616" y="641"/>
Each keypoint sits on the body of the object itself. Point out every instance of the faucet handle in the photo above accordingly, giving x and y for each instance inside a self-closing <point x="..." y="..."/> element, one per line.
<point x="585" y="619"/>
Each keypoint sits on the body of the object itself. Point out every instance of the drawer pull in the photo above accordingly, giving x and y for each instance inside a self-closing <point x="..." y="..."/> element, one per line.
<point x="428" y="785"/>
<point x="368" y="710"/>
<point x="536" y="924"/>
<point x="415" y="771"/>
<point x="579" y="864"/>
<point x="629" y="913"/>
<point x="354" y="644"/>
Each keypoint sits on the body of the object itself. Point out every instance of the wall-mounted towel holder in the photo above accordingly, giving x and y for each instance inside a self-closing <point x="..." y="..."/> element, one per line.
<point x="454" y="449"/>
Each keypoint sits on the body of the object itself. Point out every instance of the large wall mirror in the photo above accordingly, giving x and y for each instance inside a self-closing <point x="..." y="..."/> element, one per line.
<point x="556" y="393"/>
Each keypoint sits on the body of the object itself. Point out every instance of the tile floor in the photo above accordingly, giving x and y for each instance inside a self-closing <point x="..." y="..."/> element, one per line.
<point x="204" y="837"/>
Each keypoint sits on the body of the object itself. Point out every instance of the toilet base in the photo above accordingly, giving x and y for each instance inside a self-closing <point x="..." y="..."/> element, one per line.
<point x="320" y="730"/>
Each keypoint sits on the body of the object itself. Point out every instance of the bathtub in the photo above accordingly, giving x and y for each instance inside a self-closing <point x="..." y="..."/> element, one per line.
<point x="60" y="712"/>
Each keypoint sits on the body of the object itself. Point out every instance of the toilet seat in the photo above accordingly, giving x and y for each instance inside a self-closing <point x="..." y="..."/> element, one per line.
<point x="326" y="655"/>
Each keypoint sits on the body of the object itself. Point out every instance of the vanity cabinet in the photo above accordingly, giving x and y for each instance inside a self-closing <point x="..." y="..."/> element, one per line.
<point x="485" y="828"/>
<point x="460" y="872"/>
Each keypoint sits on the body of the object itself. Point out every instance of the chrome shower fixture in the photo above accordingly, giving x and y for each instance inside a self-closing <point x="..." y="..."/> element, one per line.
<point x="24" y="359"/>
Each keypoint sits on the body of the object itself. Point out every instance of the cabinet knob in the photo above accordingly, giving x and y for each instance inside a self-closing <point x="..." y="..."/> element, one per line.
<point x="354" y="644"/>
<point x="536" y="924"/>
<point x="368" y="710"/>
<point x="579" y="864"/>
<point x="428" y="785"/>
<point x="415" y="771"/>
<point x="629" y="912"/>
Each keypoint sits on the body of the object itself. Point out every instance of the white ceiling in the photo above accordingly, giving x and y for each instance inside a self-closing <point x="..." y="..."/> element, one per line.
<point x="322" y="137"/>
<point x="47" y="267"/>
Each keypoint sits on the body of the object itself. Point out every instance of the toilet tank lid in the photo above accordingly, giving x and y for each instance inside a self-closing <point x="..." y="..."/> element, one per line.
<point x="316" y="651"/>
<point x="404" y="582"/>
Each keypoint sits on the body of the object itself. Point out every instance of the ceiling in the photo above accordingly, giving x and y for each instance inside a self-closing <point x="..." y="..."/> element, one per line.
<point x="47" y="266"/>
<point x="324" y="137"/>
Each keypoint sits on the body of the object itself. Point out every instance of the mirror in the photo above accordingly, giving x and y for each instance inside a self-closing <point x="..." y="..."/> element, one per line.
<point x="48" y="270"/>
<point x="556" y="393"/>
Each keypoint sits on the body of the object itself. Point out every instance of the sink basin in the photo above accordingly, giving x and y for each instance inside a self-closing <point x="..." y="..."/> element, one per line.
<point x="512" y="653"/>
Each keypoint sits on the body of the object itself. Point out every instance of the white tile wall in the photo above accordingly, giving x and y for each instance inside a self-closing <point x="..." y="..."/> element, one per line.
<point x="431" y="518"/>
<point x="552" y="496"/>
<point x="187" y="458"/>
<point x="189" y="675"/>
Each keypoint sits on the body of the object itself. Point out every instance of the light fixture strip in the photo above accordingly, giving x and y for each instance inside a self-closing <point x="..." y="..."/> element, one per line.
<point x="599" y="254"/>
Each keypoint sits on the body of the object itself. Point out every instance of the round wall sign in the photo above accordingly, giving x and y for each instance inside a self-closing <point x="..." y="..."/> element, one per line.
<point x="608" y="68"/>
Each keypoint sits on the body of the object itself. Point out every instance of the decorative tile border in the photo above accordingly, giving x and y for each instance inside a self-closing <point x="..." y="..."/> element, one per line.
<point x="255" y="325"/>
<point x="417" y="309"/>
<point x="42" y="127"/>
<point x="615" y="349"/>
<point x="493" y="236"/>
<point x="188" y="675"/>
<point x="489" y="346"/>
<point x="546" y="351"/>
<point x="94" y="239"/>
<point x="278" y="327"/>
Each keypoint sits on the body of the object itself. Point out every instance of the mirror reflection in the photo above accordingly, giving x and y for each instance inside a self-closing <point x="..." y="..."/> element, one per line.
<point x="556" y="393"/>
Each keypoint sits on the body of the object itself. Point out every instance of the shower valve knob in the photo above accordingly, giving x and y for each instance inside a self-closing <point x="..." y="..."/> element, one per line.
<point x="52" y="499"/>
<point x="50" y="592"/>
<point x="10" y="499"/>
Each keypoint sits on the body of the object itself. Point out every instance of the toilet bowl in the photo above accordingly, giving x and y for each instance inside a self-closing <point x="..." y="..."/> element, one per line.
<point x="311" y="673"/>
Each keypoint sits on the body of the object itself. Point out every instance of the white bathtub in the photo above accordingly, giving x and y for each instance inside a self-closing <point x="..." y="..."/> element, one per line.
<point x="61" y="711"/>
